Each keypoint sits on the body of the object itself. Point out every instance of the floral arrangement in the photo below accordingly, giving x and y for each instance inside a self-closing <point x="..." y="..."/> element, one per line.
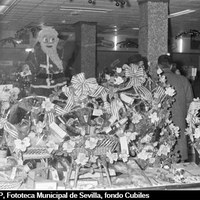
<point x="8" y="97"/>
<point x="193" y="120"/>
<point x="150" y="133"/>
<point x="125" y="115"/>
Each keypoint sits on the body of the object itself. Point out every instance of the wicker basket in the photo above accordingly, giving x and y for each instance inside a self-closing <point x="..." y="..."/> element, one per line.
<point x="10" y="185"/>
<point x="6" y="183"/>
<point x="36" y="153"/>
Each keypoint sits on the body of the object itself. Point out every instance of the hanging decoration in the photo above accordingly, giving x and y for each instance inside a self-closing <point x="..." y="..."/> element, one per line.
<point x="192" y="33"/>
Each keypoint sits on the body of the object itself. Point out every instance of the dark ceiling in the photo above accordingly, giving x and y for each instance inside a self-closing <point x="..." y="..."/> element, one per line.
<point x="124" y="19"/>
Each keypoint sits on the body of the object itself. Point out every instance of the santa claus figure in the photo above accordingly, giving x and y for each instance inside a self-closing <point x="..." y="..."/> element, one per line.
<point x="46" y="66"/>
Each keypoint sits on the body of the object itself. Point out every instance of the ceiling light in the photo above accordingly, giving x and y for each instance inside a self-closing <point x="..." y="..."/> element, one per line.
<point x="120" y="2"/>
<point x="92" y="1"/>
<point x="184" y="12"/>
<point x="136" y="28"/>
<point x="85" y="9"/>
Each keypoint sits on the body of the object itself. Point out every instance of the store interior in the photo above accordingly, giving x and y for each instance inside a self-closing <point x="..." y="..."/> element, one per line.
<point x="106" y="124"/>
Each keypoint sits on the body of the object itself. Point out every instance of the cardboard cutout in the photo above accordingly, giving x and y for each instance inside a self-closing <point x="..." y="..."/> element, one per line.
<point x="45" y="63"/>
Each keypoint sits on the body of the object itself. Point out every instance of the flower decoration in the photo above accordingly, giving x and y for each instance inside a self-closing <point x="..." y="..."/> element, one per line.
<point x="22" y="145"/>
<point x="119" y="70"/>
<point x="131" y="136"/>
<point x="174" y="129"/>
<point x="93" y="159"/>
<point x="47" y="105"/>
<point x="136" y="117"/>
<point x="159" y="71"/>
<point x="39" y="127"/>
<point x="146" y="153"/>
<point x="118" y="80"/>
<point x="154" y="117"/>
<point x="82" y="159"/>
<point x="91" y="143"/>
<point x="112" y="157"/>
<point x="69" y="146"/>
<point x="170" y="91"/>
<point x="51" y="145"/>
<point x="163" y="150"/>
<point x="124" y="156"/>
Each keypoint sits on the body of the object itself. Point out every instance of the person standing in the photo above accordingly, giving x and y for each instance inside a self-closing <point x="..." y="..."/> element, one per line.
<point x="183" y="98"/>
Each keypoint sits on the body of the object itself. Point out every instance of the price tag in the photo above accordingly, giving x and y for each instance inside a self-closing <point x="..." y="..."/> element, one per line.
<point x="54" y="174"/>
<point x="13" y="173"/>
<point x="124" y="144"/>
<point x="57" y="129"/>
<point x="26" y="168"/>
<point x="97" y="112"/>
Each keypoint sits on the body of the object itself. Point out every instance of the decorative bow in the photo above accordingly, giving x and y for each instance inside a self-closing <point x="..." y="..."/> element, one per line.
<point x="84" y="87"/>
<point x="80" y="89"/>
<point x="137" y="77"/>
<point x="136" y="73"/>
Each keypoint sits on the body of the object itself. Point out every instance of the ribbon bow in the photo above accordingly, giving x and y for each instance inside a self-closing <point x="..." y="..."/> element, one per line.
<point x="136" y="73"/>
<point x="80" y="89"/>
<point x="137" y="77"/>
<point x="84" y="87"/>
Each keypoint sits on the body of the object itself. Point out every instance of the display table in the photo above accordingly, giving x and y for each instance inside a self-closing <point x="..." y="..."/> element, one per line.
<point x="159" y="179"/>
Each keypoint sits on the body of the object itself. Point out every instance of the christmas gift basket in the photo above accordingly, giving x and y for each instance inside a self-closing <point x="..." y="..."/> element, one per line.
<point x="193" y="121"/>
<point x="120" y="122"/>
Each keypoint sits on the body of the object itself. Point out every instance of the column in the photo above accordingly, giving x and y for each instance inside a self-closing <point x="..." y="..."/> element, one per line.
<point x="85" y="33"/>
<point x="153" y="32"/>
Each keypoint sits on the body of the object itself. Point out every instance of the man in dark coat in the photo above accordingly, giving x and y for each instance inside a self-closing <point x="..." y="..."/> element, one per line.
<point x="183" y="98"/>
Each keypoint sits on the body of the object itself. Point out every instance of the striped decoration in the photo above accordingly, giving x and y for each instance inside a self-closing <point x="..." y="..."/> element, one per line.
<point x="11" y="129"/>
<point x="82" y="86"/>
<point x="144" y="92"/>
<point x="105" y="145"/>
<point x="98" y="91"/>
<point x="137" y="77"/>
<point x="136" y="74"/>
<point x="160" y="93"/>
<point x="59" y="110"/>
<point x="51" y="117"/>
<point x="114" y="107"/>
<point x="79" y="90"/>
<point x="70" y="101"/>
